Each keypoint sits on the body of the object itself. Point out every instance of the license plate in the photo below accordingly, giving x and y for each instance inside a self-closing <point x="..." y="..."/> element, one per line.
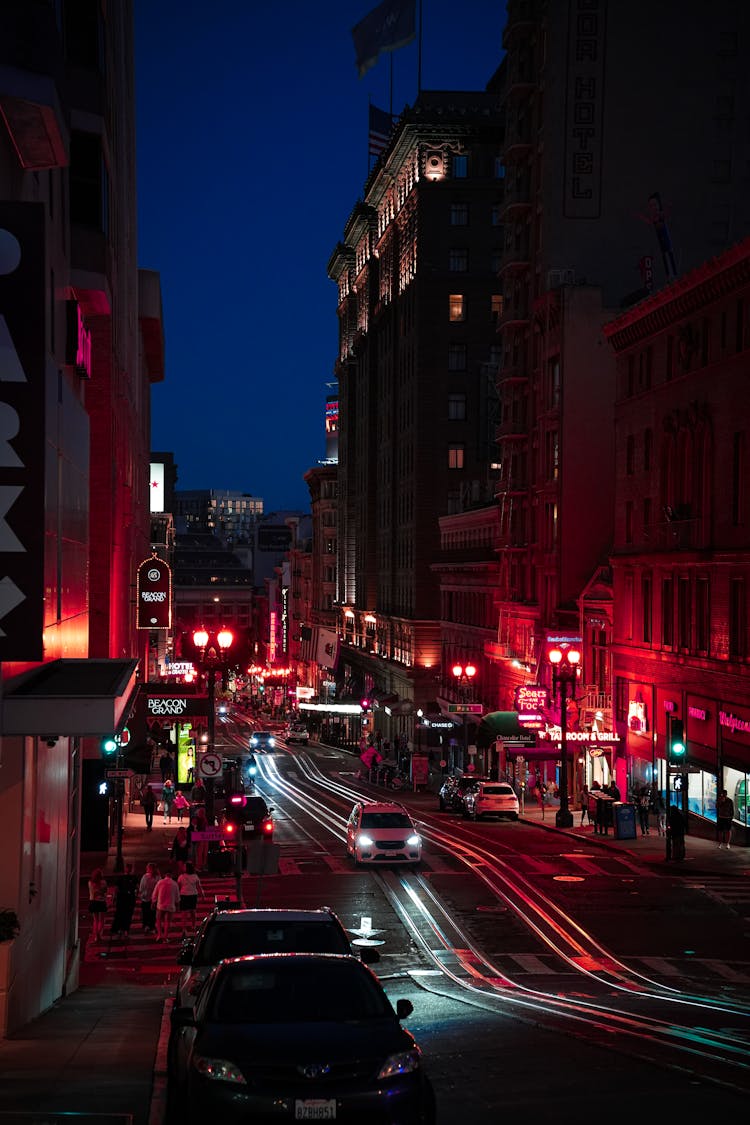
<point x="315" y="1109"/>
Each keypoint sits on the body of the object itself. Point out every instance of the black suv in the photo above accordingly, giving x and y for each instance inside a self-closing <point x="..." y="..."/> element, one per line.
<point x="451" y="793"/>
<point x="236" y="933"/>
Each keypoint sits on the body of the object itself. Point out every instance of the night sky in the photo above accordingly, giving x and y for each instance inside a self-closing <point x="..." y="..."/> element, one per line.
<point x="252" y="150"/>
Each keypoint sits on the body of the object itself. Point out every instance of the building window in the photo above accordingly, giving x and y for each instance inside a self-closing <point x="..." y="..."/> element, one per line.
<point x="89" y="183"/>
<point x="630" y="455"/>
<point x="647" y="515"/>
<point x="456" y="307"/>
<point x="499" y="168"/>
<point x="628" y="521"/>
<point x="647" y="602"/>
<point x="455" y="456"/>
<point x="460" y="167"/>
<point x="458" y="261"/>
<point x="648" y="448"/>
<point x="456" y="357"/>
<point x="496" y="307"/>
<point x="683" y="613"/>
<point x="456" y="407"/>
<point x="702" y="614"/>
<point x="495" y="215"/>
<point x="496" y="258"/>
<point x="628" y="608"/>
<point x="667" y="612"/>
<point x="737" y="626"/>
<point x="738" y="471"/>
<point x="459" y="214"/>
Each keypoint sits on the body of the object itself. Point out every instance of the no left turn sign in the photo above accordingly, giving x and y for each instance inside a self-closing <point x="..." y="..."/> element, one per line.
<point x="209" y="765"/>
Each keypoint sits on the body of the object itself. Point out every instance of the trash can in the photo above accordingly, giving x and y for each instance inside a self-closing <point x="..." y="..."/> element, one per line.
<point x="624" y="817"/>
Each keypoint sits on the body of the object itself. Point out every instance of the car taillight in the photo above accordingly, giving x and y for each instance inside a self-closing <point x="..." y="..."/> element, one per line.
<point x="230" y="830"/>
<point x="267" y="827"/>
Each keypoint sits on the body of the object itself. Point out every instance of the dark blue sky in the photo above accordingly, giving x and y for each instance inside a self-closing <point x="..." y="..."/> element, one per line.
<point x="252" y="151"/>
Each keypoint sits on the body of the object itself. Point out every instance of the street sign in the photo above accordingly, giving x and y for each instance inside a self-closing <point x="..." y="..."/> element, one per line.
<point x="520" y="739"/>
<point x="465" y="708"/>
<point x="209" y="765"/>
<point x="118" y="773"/>
<point x="206" y="835"/>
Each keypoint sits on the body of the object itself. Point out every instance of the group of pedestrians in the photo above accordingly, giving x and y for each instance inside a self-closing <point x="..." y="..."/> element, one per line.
<point x="162" y="898"/>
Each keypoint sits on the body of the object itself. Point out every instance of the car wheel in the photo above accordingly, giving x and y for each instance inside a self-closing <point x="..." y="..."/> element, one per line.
<point x="514" y="816"/>
<point x="428" y="1109"/>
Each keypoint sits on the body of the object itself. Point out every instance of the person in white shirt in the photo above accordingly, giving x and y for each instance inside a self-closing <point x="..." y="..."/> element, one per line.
<point x="166" y="899"/>
<point x="190" y="889"/>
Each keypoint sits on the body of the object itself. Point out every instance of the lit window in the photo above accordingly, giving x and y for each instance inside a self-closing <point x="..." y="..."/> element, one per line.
<point x="455" y="456"/>
<point x="460" y="167"/>
<point x="499" y="168"/>
<point x="456" y="307"/>
<point x="497" y="306"/>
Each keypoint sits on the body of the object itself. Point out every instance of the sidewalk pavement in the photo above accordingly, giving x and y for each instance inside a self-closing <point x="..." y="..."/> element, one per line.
<point x="101" y="1050"/>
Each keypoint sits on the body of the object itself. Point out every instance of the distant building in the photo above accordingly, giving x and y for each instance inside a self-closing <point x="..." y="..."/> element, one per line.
<point x="231" y="516"/>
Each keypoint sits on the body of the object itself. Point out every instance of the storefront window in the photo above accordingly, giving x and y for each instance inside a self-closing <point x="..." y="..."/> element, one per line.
<point x="702" y="794"/>
<point x="737" y="785"/>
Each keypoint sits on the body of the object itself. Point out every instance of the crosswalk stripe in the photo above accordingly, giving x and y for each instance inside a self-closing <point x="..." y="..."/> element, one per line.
<point x="724" y="970"/>
<point x="661" y="966"/>
<point x="530" y="963"/>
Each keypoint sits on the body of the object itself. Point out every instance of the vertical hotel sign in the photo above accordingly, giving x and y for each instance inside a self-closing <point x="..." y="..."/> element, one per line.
<point x="154" y="594"/>
<point x="584" y="108"/>
<point x="23" y="332"/>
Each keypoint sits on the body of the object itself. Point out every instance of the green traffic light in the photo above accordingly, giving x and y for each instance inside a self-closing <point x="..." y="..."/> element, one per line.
<point x="678" y="749"/>
<point x="109" y="746"/>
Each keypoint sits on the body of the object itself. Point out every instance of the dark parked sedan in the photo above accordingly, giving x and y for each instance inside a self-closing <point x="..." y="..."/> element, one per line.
<point x="252" y="814"/>
<point x="451" y="795"/>
<point x="296" y="1037"/>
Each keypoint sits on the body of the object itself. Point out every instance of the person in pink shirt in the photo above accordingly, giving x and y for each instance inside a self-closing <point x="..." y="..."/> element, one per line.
<point x="166" y="899"/>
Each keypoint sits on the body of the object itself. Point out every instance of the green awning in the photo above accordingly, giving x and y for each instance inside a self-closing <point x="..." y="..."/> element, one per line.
<point x="498" y="724"/>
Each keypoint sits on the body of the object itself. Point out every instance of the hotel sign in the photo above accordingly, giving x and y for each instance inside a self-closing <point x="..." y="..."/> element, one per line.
<point x="154" y="594"/>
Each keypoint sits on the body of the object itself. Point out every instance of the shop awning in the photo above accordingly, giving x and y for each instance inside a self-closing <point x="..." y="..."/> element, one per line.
<point x="70" y="697"/>
<point x="498" y="724"/>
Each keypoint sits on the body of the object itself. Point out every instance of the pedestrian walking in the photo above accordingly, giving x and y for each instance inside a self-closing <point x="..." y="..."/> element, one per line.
<point x="659" y="810"/>
<point x="149" y="879"/>
<point x="167" y="799"/>
<point x="614" y="792"/>
<point x="166" y="898"/>
<point x="126" y="890"/>
<point x="180" y="851"/>
<point x="148" y="804"/>
<point x="675" y="833"/>
<point x="198" y="793"/>
<point x="98" y="891"/>
<point x="180" y="805"/>
<point x="190" y="889"/>
<point x="644" y="803"/>
<point x="724" y="818"/>
<point x="165" y="765"/>
<point x="585" y="804"/>
<point x="199" y="822"/>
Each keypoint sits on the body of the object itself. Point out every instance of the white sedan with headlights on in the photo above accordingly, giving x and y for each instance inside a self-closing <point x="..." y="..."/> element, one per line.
<point x="381" y="832"/>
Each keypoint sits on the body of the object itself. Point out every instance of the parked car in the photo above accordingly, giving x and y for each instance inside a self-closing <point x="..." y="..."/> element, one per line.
<point x="450" y="796"/>
<point x="297" y="732"/>
<point x="251" y="813"/>
<point x="304" y="1037"/>
<point x="261" y="741"/>
<point x="381" y="832"/>
<point x="236" y="933"/>
<point x="490" y="798"/>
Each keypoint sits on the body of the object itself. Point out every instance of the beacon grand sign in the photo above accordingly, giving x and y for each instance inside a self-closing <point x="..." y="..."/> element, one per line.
<point x="22" y="430"/>
<point x="154" y="594"/>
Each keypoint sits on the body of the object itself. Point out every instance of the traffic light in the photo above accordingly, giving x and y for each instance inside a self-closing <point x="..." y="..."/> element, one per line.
<point x="110" y="746"/>
<point x="677" y="745"/>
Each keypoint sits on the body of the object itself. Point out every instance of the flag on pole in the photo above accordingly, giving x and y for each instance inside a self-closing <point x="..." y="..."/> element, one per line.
<point x="381" y="127"/>
<point x="389" y="26"/>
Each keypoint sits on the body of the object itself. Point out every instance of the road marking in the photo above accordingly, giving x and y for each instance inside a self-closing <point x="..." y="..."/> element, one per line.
<point x="661" y="966"/>
<point x="530" y="963"/>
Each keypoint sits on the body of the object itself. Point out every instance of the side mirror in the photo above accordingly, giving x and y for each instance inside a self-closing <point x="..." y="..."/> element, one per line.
<point x="185" y="1017"/>
<point x="404" y="1008"/>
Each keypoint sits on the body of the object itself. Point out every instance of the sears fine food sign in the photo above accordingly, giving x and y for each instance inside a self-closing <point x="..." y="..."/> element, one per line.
<point x="154" y="593"/>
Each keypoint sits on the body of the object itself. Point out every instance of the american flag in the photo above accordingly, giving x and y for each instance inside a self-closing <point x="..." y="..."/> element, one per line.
<point x="381" y="127"/>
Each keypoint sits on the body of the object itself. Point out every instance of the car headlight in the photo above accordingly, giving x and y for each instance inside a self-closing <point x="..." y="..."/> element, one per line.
<point x="272" y="742"/>
<point x="414" y="841"/>
<point x="365" y="841"/>
<point x="403" y="1063"/>
<point x="253" y="741"/>
<point x="220" y="1069"/>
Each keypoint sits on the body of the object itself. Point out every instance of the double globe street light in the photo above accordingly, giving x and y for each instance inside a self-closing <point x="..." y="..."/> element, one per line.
<point x="564" y="655"/>
<point x="213" y="648"/>
<point x="464" y="675"/>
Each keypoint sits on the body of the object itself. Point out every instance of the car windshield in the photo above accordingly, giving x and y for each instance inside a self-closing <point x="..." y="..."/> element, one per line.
<point x="294" y="992"/>
<point x="497" y="791"/>
<point x="385" y="820"/>
<point x="255" y="807"/>
<point x="237" y="939"/>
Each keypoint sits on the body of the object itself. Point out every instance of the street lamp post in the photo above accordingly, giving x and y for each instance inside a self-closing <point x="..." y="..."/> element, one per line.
<point x="565" y="659"/>
<point x="213" y="660"/>
<point x="420" y="716"/>
<point x="464" y="675"/>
